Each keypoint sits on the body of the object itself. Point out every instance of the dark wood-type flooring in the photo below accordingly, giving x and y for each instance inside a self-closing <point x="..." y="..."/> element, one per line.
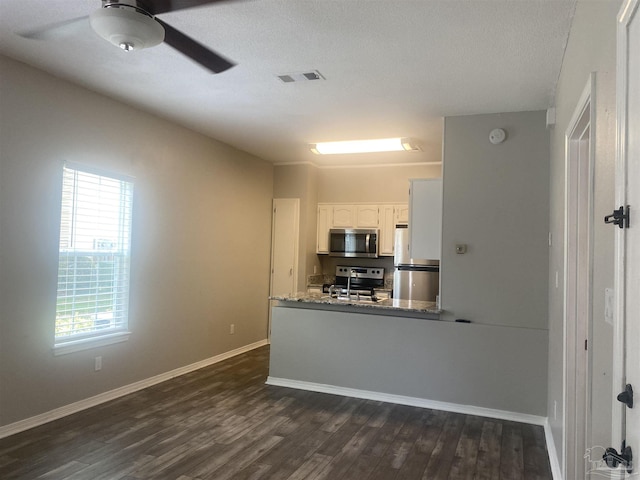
<point x="223" y="422"/>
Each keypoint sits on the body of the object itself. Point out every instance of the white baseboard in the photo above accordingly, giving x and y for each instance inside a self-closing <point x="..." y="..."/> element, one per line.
<point x="412" y="401"/>
<point x="57" y="413"/>
<point x="556" y="470"/>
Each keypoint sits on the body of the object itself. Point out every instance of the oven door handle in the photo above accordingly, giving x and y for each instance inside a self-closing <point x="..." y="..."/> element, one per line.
<point x="367" y="241"/>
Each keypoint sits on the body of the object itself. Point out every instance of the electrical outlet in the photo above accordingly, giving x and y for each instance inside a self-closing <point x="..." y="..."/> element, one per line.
<point x="97" y="364"/>
<point x="232" y="329"/>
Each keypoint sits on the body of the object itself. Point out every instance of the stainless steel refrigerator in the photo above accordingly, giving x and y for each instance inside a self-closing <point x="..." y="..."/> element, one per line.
<point x="413" y="279"/>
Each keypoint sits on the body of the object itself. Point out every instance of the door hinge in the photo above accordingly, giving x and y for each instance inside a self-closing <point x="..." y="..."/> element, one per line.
<point x="619" y="217"/>
<point x="625" y="458"/>
<point x="626" y="397"/>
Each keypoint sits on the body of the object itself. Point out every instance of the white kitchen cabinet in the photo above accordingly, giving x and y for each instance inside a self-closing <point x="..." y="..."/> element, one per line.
<point x="344" y="216"/>
<point x="425" y="218"/>
<point x="390" y="216"/>
<point x="383" y="217"/>
<point x="401" y="214"/>
<point x="387" y="230"/>
<point x="325" y="214"/>
<point x="367" y="216"/>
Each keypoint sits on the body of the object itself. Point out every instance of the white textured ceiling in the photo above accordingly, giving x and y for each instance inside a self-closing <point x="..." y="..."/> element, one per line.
<point x="392" y="67"/>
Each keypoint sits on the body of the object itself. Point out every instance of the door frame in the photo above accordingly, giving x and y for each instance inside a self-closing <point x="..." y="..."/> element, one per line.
<point x="578" y="281"/>
<point x="627" y="11"/>
<point x="296" y="247"/>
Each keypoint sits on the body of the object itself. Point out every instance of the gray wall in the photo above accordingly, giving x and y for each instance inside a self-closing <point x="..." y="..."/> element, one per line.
<point x="591" y="48"/>
<point x="202" y="214"/>
<point x="496" y="200"/>
<point x="485" y="366"/>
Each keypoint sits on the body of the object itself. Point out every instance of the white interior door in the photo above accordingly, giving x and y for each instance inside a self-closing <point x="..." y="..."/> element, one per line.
<point x="627" y="280"/>
<point x="284" y="246"/>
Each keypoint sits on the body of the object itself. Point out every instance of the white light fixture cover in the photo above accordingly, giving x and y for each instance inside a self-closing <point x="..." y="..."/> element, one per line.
<point x="126" y="28"/>
<point x="365" y="146"/>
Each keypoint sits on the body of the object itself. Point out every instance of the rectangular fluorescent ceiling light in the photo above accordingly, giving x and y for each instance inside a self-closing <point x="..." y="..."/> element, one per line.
<point x="364" y="146"/>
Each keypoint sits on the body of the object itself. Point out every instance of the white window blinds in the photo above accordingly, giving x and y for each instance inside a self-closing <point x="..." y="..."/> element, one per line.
<point x="94" y="255"/>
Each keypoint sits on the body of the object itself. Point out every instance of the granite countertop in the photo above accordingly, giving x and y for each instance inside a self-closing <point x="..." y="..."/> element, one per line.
<point x="392" y="304"/>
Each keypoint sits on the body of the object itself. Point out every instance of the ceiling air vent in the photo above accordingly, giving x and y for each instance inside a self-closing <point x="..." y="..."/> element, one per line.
<point x="301" y="77"/>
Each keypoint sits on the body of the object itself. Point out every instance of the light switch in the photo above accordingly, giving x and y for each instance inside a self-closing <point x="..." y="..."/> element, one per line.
<point x="461" y="248"/>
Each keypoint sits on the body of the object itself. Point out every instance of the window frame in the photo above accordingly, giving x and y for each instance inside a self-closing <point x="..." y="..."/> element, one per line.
<point x="97" y="337"/>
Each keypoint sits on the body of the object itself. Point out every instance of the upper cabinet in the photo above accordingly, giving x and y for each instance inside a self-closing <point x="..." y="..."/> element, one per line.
<point x="325" y="216"/>
<point x="344" y="216"/>
<point x="390" y="216"/>
<point x="382" y="217"/>
<point x="387" y="228"/>
<point x="367" y="216"/>
<point x="425" y="218"/>
<point x="401" y="214"/>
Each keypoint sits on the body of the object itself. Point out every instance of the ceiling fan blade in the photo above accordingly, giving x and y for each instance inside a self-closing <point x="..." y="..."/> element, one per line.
<point x="194" y="50"/>
<point x="58" y="30"/>
<point x="162" y="6"/>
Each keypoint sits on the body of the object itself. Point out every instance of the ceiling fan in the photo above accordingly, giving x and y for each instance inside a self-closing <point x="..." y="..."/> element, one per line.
<point x="133" y="25"/>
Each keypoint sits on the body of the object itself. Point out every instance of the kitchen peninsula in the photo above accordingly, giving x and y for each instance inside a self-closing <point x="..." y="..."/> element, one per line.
<point x="402" y="352"/>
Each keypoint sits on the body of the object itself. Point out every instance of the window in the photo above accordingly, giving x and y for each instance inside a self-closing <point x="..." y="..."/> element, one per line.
<point x="94" y="257"/>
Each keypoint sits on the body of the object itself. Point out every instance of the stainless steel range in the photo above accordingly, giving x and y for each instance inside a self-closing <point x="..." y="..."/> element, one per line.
<point x="358" y="282"/>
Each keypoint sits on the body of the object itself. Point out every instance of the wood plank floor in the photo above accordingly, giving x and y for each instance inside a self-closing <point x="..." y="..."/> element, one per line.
<point x="223" y="422"/>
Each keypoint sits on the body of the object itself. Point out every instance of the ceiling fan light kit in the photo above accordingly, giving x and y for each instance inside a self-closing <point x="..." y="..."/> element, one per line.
<point x="365" y="146"/>
<point x="133" y="25"/>
<point x="127" y="27"/>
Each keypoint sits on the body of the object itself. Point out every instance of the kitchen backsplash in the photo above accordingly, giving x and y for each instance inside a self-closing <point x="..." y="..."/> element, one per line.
<point x="321" y="279"/>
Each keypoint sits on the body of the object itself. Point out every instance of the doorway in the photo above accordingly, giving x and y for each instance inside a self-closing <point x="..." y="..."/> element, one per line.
<point x="579" y="166"/>
<point x="284" y="248"/>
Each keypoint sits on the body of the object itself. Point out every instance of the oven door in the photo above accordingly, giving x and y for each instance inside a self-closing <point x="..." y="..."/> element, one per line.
<point x="353" y="242"/>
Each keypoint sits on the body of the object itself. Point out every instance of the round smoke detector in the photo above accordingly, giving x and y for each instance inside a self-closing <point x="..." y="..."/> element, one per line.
<point x="497" y="136"/>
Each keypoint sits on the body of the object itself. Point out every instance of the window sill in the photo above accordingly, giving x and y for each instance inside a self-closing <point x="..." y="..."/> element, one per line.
<point x="88" y="343"/>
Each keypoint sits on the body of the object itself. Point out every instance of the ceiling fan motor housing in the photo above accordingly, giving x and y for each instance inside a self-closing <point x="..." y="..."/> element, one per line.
<point x="126" y="26"/>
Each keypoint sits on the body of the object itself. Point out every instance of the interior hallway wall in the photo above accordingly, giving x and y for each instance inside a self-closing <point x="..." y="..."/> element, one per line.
<point x="591" y="48"/>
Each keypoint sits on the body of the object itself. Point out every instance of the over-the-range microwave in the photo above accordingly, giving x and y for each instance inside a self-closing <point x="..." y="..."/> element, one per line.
<point x="353" y="242"/>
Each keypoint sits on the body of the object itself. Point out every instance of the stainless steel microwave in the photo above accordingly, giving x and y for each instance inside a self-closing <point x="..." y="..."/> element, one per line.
<point x="353" y="242"/>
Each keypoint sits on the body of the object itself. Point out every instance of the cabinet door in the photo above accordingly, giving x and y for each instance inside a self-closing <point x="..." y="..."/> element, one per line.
<point x="367" y="216"/>
<point x="425" y="218"/>
<point x="387" y="230"/>
<point x="324" y="224"/>
<point x="401" y="213"/>
<point x="343" y="216"/>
